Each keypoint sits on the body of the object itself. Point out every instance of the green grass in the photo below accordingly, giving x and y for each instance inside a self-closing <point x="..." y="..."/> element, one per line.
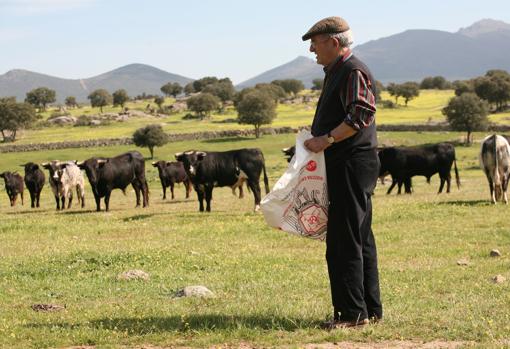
<point x="422" y="110"/>
<point x="272" y="288"/>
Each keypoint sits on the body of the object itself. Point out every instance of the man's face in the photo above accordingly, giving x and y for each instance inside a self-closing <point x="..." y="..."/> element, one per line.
<point x="325" y="49"/>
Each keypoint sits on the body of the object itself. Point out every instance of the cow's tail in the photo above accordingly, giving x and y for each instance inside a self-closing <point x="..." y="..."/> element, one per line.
<point x="497" y="178"/>
<point x="266" y="181"/>
<point x="457" y="178"/>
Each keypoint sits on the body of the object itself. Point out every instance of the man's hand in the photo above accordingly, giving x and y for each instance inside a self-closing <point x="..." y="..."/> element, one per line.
<point x="317" y="144"/>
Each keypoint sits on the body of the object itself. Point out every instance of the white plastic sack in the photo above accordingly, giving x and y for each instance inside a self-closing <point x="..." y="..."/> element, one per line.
<point x="298" y="203"/>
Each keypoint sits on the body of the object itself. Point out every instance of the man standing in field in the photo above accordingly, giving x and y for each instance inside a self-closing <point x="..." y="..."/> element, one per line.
<point x="344" y="128"/>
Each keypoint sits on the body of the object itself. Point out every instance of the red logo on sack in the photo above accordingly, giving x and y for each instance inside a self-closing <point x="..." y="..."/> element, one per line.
<point x="311" y="166"/>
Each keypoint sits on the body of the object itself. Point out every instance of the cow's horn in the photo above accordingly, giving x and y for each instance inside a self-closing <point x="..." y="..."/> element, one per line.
<point x="285" y="149"/>
<point x="80" y="163"/>
<point x="154" y="163"/>
<point x="203" y="153"/>
<point x="102" y="161"/>
<point x="189" y="152"/>
<point x="178" y="154"/>
<point x="45" y="164"/>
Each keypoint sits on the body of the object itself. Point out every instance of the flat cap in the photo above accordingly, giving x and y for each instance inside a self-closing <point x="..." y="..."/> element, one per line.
<point x="328" y="25"/>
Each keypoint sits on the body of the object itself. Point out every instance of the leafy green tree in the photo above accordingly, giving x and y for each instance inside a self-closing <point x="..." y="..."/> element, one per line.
<point x="189" y="89"/>
<point x="494" y="87"/>
<point x="379" y="87"/>
<point x="467" y="112"/>
<point x="409" y="90"/>
<point x="171" y="89"/>
<point x="394" y="90"/>
<point x="203" y="104"/>
<point x="40" y="97"/>
<point x="100" y="98"/>
<point x="317" y="84"/>
<point x="463" y="86"/>
<point x="159" y="100"/>
<point x="150" y="136"/>
<point x="15" y="116"/>
<point x="200" y="84"/>
<point x="70" y="102"/>
<point x="435" y="82"/>
<point x="223" y="89"/>
<point x="256" y="108"/>
<point x="120" y="97"/>
<point x="292" y="86"/>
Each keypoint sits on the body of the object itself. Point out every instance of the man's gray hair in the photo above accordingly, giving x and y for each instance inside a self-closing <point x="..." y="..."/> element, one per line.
<point x="345" y="39"/>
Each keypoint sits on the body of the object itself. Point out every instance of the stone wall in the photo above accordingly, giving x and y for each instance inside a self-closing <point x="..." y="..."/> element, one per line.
<point x="176" y="137"/>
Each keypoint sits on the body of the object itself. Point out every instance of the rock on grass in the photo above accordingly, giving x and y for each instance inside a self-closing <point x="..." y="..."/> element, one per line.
<point x="495" y="253"/>
<point x="133" y="275"/>
<point x="195" y="291"/>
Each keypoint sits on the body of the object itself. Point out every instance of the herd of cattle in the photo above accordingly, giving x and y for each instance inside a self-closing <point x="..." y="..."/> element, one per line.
<point x="202" y="170"/>
<point x="205" y="170"/>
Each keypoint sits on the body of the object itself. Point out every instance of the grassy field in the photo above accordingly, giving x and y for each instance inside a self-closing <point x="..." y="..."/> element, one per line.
<point x="271" y="288"/>
<point x="424" y="109"/>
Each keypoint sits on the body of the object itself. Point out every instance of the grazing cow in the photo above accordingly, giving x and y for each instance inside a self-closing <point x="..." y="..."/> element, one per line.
<point x="13" y="186"/>
<point x="402" y="163"/>
<point x="495" y="162"/>
<point x="171" y="173"/>
<point x="220" y="169"/>
<point x="106" y="174"/>
<point x="34" y="181"/>
<point x="289" y="152"/>
<point x="64" y="176"/>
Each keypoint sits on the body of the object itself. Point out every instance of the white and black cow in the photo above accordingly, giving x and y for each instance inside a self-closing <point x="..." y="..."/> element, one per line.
<point x="63" y="178"/>
<point x="34" y="181"/>
<point x="403" y="163"/>
<point x="224" y="169"/>
<point x="13" y="186"/>
<point x="171" y="173"/>
<point x="495" y="162"/>
<point x="106" y="174"/>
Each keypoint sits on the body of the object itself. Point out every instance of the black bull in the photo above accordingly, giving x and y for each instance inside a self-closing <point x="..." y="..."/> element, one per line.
<point x="220" y="169"/>
<point x="106" y="174"/>
<point x="402" y="163"/>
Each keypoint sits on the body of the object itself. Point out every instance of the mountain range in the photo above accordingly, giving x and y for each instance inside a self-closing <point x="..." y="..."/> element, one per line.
<point x="407" y="56"/>
<point x="415" y="54"/>
<point x="135" y="78"/>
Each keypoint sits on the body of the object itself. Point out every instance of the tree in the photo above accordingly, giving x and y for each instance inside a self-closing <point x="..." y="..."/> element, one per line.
<point x="462" y="86"/>
<point x="317" y="84"/>
<point x="379" y="87"/>
<point x="494" y="87"/>
<point x="189" y="89"/>
<point x="435" y="82"/>
<point x="256" y="108"/>
<point x="70" y="102"/>
<point x="171" y="89"/>
<point x="40" y="97"/>
<point x="393" y="90"/>
<point x="150" y="136"/>
<point x="467" y="112"/>
<point x="409" y="90"/>
<point x="223" y="89"/>
<point x="200" y="84"/>
<point x="100" y="98"/>
<point x="290" y="85"/>
<point x="120" y="97"/>
<point x="203" y="104"/>
<point x="159" y="100"/>
<point x="14" y="116"/>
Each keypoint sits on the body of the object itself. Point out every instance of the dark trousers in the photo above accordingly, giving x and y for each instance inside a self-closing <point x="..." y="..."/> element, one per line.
<point x="350" y="246"/>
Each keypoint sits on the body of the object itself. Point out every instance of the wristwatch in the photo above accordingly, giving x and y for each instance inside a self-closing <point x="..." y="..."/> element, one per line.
<point x="331" y="139"/>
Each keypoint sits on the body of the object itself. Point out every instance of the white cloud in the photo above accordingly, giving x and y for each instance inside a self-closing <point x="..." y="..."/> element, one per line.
<point x="28" y="7"/>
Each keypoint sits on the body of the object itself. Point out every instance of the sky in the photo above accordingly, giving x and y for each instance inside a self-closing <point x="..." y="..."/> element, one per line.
<point x="224" y="38"/>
